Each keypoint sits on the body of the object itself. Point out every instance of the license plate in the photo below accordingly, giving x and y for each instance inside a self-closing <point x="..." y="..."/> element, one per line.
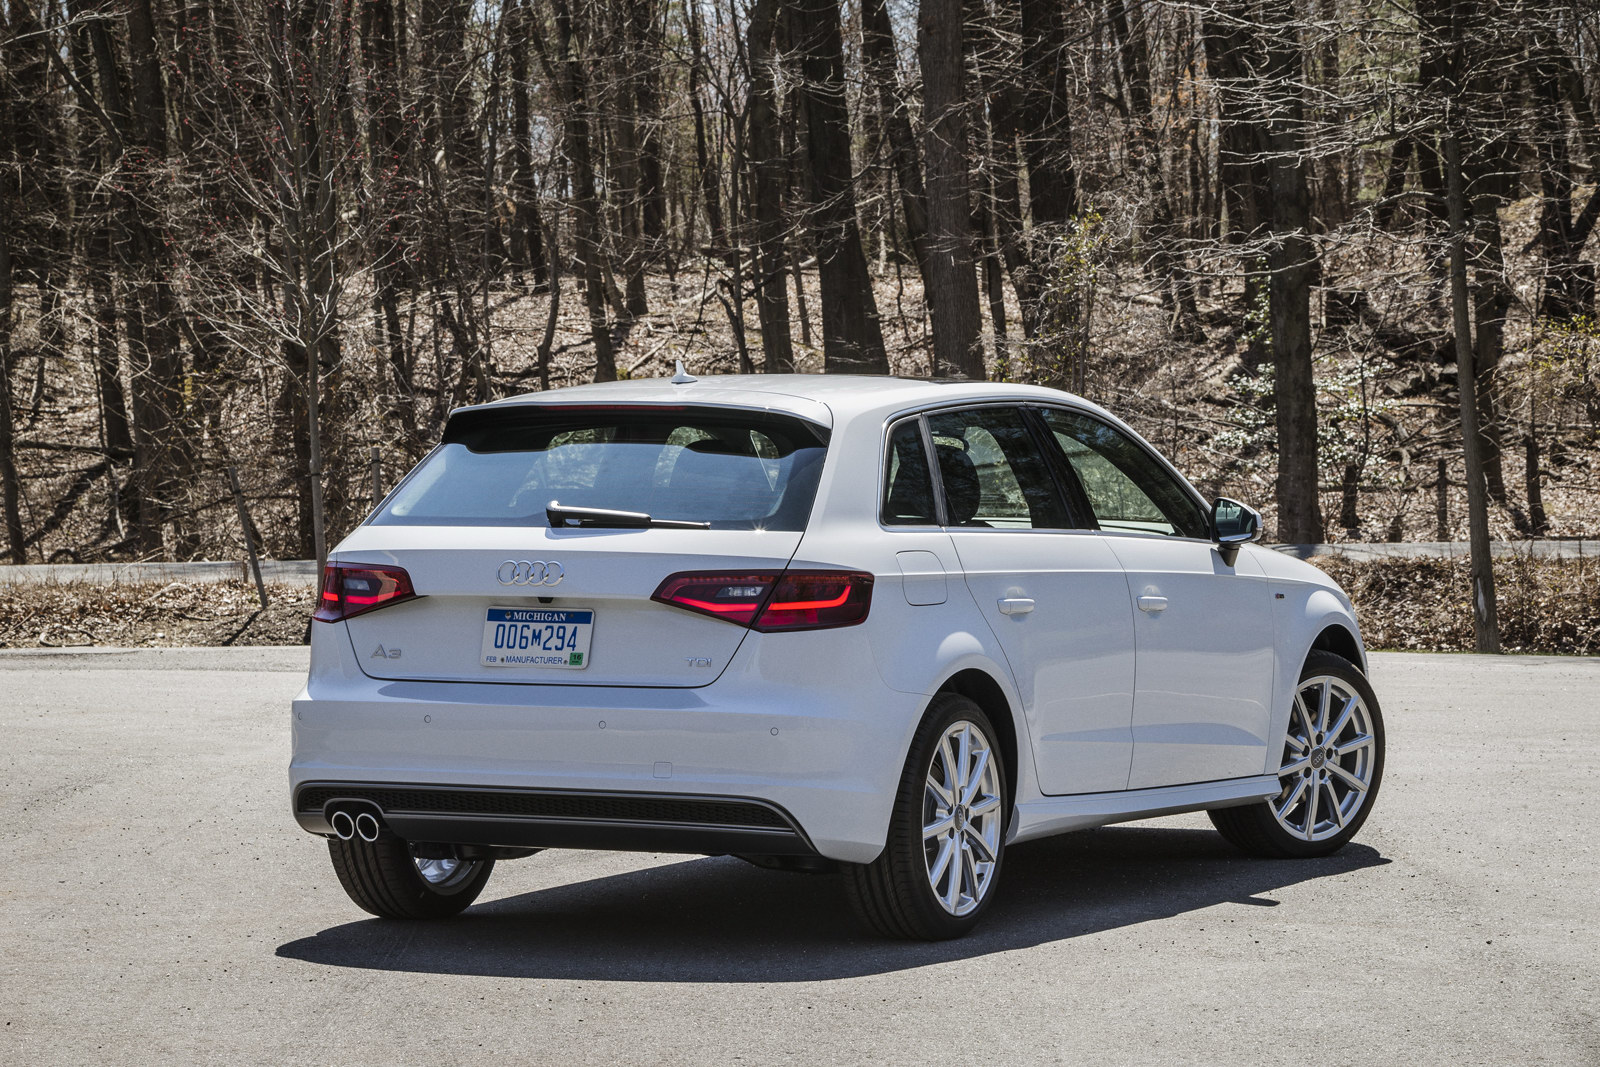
<point x="537" y="637"/>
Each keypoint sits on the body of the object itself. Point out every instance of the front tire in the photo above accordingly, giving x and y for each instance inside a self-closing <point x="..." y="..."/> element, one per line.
<point x="385" y="878"/>
<point x="1331" y="766"/>
<point x="940" y="866"/>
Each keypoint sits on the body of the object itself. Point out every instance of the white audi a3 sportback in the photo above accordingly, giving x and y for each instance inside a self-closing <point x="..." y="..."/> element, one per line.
<point x="882" y="626"/>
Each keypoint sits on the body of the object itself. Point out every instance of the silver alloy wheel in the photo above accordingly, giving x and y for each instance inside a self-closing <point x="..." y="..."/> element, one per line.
<point x="441" y="874"/>
<point x="962" y="817"/>
<point x="1328" y="759"/>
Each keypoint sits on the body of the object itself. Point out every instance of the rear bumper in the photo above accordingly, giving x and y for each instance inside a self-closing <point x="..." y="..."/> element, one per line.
<point x="809" y="736"/>
<point x="637" y="822"/>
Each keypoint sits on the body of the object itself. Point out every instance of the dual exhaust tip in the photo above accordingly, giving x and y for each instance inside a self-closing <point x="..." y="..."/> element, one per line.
<point x="364" y="825"/>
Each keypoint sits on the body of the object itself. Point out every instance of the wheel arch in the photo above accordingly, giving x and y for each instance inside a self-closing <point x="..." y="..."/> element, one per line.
<point x="1311" y="618"/>
<point x="1338" y="639"/>
<point x="984" y="690"/>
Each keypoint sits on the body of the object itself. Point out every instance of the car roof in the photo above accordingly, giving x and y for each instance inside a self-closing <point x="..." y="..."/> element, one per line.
<point x="821" y="398"/>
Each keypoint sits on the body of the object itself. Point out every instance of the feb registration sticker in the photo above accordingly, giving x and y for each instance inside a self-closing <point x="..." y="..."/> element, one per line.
<point x="537" y="637"/>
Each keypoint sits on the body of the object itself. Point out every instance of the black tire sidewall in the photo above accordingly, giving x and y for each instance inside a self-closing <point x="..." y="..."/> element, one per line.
<point x="381" y="877"/>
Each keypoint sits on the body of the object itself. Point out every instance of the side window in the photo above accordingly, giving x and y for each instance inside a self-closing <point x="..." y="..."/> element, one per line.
<point x="1126" y="487"/>
<point x="992" y="472"/>
<point x="907" y="482"/>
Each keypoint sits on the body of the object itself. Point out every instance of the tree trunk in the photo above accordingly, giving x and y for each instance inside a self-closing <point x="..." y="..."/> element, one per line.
<point x="1007" y="85"/>
<point x="994" y="290"/>
<point x="1491" y="300"/>
<point x="446" y="65"/>
<point x="721" y="246"/>
<point x="389" y="149"/>
<point x="763" y="144"/>
<point x="952" y="292"/>
<point x="705" y="159"/>
<point x="161" y="446"/>
<point x="795" y="193"/>
<point x="1485" y="612"/>
<point x="10" y="497"/>
<point x="882" y="65"/>
<point x="623" y="159"/>
<point x="1577" y="96"/>
<point x="585" y="208"/>
<point x="1394" y="183"/>
<point x="1045" y="113"/>
<point x="308" y="73"/>
<point x="1538" y="522"/>
<point x="107" y="360"/>
<point x="1144" y="159"/>
<point x="1291" y="260"/>
<point x="1569" y="282"/>
<point x="1433" y="26"/>
<point x="527" y="228"/>
<point x="1233" y="54"/>
<point x="852" y="339"/>
<point x="1034" y="110"/>
<point x="644" y="19"/>
<point x="1332" y="162"/>
<point x="149" y="98"/>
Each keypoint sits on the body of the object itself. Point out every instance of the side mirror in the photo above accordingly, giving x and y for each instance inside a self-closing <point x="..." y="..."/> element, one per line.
<point x="1233" y="524"/>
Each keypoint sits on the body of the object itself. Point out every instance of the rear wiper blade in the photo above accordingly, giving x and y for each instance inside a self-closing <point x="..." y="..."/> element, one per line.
<point x="560" y="515"/>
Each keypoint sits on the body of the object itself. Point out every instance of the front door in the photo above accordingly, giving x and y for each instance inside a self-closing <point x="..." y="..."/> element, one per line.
<point x="1203" y="683"/>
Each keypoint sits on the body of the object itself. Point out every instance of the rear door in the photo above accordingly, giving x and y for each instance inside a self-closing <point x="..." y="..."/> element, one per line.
<point x="1055" y="597"/>
<point x="469" y="527"/>
<point x="1203" y="629"/>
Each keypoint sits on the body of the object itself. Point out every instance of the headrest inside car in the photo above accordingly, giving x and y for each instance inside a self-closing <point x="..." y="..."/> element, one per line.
<point x="962" y="492"/>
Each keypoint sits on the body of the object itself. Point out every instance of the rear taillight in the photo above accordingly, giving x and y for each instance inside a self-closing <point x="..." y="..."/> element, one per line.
<point x="349" y="589"/>
<point x="721" y="594"/>
<point x="769" y="601"/>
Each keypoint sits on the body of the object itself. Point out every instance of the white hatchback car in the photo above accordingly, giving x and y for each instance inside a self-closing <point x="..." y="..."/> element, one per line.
<point x="882" y="626"/>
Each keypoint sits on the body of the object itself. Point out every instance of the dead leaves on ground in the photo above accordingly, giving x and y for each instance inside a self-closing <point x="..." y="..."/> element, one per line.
<point x="150" y="614"/>
<point x="1425" y="605"/>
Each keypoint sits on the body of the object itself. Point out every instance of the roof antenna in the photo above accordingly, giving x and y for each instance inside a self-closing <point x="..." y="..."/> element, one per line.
<point x="683" y="377"/>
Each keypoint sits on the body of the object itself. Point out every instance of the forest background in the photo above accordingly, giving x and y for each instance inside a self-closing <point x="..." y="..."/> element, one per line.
<point x="287" y="237"/>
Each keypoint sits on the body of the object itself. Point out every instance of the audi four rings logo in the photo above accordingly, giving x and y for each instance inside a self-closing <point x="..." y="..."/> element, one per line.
<point x="530" y="572"/>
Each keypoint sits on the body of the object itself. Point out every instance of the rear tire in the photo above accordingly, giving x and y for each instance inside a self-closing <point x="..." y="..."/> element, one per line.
<point x="386" y="879"/>
<point x="1330" y="770"/>
<point x="941" y="864"/>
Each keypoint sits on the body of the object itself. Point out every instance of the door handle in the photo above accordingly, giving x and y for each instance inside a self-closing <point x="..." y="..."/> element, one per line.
<point x="1015" y="605"/>
<point x="1153" y="604"/>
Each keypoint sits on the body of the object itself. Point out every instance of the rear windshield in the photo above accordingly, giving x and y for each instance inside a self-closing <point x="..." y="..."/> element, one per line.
<point x="737" y="471"/>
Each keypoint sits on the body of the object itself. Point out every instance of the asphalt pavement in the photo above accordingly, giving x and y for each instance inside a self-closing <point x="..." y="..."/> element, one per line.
<point x="159" y="905"/>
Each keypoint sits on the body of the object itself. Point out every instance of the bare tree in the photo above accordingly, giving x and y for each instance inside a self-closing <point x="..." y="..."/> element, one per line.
<point x="952" y="276"/>
<point x="763" y="141"/>
<point x="852" y="339"/>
